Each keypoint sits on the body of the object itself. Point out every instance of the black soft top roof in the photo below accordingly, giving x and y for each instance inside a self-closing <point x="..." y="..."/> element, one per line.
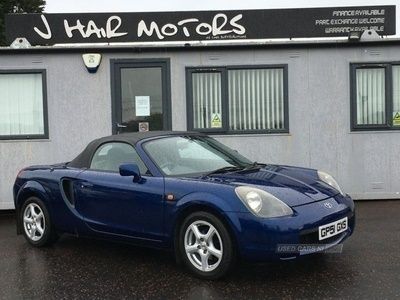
<point x="84" y="158"/>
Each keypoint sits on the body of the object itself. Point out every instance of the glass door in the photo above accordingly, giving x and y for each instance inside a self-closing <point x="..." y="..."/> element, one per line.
<point x="141" y="100"/>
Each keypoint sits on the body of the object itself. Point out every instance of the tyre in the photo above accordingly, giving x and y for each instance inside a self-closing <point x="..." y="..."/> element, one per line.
<point x="205" y="246"/>
<point x="36" y="223"/>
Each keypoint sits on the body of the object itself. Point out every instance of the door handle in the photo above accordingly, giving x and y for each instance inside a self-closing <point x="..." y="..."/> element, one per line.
<point x="85" y="185"/>
<point x="121" y="125"/>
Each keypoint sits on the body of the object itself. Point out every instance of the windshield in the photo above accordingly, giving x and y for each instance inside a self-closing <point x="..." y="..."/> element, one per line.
<point x="192" y="155"/>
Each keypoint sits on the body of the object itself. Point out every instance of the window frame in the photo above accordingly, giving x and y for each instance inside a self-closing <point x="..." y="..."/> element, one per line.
<point x="116" y="65"/>
<point x="45" y="134"/>
<point x="388" y="67"/>
<point x="225" y="98"/>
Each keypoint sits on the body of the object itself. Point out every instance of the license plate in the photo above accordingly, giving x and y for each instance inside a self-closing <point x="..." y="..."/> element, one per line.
<point x="331" y="229"/>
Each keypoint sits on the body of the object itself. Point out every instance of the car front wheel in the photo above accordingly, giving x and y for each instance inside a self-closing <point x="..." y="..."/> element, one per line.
<point x="205" y="246"/>
<point x="36" y="224"/>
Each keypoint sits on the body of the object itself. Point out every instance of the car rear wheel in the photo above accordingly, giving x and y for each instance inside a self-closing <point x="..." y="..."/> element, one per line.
<point x="205" y="246"/>
<point x="36" y="224"/>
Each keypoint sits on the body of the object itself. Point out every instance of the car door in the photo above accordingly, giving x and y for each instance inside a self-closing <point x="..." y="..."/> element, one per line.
<point x="111" y="203"/>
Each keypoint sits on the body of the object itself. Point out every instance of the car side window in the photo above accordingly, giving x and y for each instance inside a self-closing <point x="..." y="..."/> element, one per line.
<point x="109" y="156"/>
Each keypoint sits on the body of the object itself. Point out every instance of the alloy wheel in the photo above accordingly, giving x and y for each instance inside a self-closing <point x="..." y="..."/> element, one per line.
<point x="203" y="246"/>
<point x="34" y="222"/>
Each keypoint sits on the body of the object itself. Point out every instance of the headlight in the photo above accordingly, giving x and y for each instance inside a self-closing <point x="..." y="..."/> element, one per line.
<point x="328" y="179"/>
<point x="262" y="203"/>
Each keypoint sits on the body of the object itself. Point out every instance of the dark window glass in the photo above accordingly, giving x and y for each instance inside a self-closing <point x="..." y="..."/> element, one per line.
<point x="192" y="155"/>
<point x="110" y="156"/>
<point x="207" y="106"/>
<point x="256" y="99"/>
<point x="22" y="105"/>
<point x="375" y="96"/>
<point x="370" y="99"/>
<point x="396" y="96"/>
<point x="238" y="100"/>
<point x="141" y="90"/>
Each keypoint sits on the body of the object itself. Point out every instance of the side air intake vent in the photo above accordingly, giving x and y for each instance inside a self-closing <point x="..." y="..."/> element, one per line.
<point x="68" y="191"/>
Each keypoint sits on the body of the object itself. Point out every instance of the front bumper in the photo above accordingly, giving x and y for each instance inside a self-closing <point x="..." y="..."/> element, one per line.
<point x="265" y="239"/>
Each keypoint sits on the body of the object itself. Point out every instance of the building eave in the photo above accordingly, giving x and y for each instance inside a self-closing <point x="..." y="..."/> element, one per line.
<point x="201" y="45"/>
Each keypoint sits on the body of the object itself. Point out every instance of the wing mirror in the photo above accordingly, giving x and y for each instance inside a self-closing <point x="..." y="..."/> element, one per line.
<point x="130" y="170"/>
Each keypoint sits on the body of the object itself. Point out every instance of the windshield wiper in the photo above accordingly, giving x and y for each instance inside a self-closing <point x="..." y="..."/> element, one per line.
<point x="223" y="170"/>
<point x="254" y="166"/>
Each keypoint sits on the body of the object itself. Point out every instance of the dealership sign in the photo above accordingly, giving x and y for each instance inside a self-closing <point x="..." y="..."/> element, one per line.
<point x="50" y="29"/>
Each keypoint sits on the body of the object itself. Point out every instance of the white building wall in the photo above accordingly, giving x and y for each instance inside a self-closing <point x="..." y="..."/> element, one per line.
<point x="366" y="164"/>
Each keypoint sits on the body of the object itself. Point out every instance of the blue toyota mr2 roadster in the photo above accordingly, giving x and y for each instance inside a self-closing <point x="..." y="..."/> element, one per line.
<point x="186" y="192"/>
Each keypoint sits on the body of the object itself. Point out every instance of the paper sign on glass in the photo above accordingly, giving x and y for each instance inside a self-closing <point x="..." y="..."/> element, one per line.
<point x="216" y="121"/>
<point x="142" y="106"/>
<point x="396" y="118"/>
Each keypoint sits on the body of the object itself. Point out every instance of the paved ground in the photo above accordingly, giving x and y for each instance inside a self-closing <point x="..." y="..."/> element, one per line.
<point x="368" y="268"/>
